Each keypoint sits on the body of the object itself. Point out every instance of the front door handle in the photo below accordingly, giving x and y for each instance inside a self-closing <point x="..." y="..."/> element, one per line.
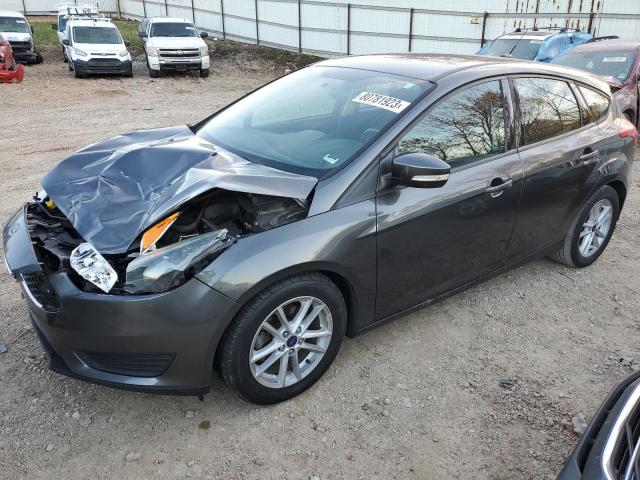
<point x="587" y="158"/>
<point x="499" y="185"/>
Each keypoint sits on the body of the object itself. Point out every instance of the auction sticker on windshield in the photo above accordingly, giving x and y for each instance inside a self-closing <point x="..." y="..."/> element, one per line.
<point x="382" y="101"/>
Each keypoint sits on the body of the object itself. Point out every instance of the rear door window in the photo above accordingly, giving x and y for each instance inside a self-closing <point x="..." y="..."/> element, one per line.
<point x="598" y="103"/>
<point x="548" y="108"/>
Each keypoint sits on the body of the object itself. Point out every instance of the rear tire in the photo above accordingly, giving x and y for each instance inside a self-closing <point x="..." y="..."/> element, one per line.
<point x="204" y="73"/>
<point x="64" y="56"/>
<point x="591" y="230"/>
<point x="304" y="353"/>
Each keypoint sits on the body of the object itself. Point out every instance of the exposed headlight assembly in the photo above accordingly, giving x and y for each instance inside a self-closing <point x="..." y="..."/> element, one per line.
<point x="204" y="51"/>
<point x="80" y="53"/>
<point x="124" y="53"/>
<point x="168" y="267"/>
<point x="152" y="52"/>
<point x="93" y="267"/>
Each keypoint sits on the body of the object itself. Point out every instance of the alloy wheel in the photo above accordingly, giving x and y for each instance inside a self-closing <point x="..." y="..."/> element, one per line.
<point x="290" y="342"/>
<point x="595" y="228"/>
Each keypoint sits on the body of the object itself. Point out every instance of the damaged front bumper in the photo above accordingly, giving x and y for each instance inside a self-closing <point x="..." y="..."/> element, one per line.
<point x="163" y="343"/>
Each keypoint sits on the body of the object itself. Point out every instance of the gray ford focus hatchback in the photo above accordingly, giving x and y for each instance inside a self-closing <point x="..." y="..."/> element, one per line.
<point x="325" y="203"/>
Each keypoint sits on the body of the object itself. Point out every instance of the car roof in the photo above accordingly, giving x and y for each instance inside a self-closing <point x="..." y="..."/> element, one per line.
<point x="8" y="13"/>
<point x="530" y="34"/>
<point x="85" y="22"/>
<point x="76" y="9"/>
<point x="432" y="67"/>
<point x="613" y="44"/>
<point x="169" y="20"/>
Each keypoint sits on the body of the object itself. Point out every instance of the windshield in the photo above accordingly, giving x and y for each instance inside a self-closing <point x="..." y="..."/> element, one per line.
<point x="98" y="35"/>
<point x="524" y="49"/>
<point x="10" y="24"/>
<point x="614" y="63"/>
<point x="314" y="120"/>
<point x="173" y="30"/>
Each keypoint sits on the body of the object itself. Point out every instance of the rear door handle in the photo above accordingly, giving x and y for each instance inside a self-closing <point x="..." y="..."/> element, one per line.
<point x="587" y="158"/>
<point x="496" y="190"/>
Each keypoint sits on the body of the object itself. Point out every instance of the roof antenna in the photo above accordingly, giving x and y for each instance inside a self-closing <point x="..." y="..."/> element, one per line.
<point x="514" y="45"/>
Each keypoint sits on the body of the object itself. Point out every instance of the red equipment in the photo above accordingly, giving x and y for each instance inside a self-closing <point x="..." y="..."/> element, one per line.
<point x="10" y="71"/>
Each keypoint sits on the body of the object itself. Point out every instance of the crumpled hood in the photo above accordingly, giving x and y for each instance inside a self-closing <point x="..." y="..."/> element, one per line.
<point x="614" y="83"/>
<point x="114" y="190"/>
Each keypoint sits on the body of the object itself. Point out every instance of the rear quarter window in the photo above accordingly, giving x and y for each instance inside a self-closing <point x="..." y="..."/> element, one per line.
<point x="548" y="108"/>
<point x="598" y="103"/>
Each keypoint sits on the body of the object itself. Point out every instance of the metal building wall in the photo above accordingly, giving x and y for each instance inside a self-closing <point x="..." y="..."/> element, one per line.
<point x="338" y="27"/>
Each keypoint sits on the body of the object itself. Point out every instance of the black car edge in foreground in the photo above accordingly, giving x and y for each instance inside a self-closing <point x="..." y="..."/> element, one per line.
<point x="610" y="447"/>
<point x="325" y="203"/>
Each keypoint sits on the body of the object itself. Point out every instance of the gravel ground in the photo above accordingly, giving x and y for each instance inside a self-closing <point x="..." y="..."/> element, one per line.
<point x="418" y="398"/>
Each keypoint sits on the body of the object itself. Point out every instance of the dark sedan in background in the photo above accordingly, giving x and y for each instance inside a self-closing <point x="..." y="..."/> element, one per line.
<point x="327" y="202"/>
<point x="618" y="62"/>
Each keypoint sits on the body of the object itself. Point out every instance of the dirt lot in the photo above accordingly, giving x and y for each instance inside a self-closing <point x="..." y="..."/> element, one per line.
<point x="417" y="398"/>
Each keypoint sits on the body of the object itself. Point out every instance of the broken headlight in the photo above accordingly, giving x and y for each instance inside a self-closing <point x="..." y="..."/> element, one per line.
<point x="168" y="267"/>
<point x="93" y="267"/>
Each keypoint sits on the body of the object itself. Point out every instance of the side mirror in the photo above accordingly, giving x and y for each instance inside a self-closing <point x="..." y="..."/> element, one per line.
<point x="204" y="34"/>
<point x="142" y="34"/>
<point x="127" y="44"/>
<point x="419" y="170"/>
<point x="54" y="26"/>
<point x="66" y="42"/>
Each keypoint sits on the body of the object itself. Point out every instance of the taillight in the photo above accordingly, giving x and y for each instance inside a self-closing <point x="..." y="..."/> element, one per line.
<point x="626" y="129"/>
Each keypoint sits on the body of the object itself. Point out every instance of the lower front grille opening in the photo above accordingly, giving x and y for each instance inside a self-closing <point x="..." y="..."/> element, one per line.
<point x="129" y="364"/>
<point x="625" y="461"/>
<point x="40" y="289"/>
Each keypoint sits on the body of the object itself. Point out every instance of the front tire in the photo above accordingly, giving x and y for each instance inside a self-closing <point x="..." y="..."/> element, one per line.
<point x="284" y="339"/>
<point x="204" y="73"/>
<point x="591" y="231"/>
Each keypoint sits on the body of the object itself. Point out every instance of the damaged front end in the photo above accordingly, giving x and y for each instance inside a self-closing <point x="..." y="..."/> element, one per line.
<point x="161" y="258"/>
<point x="147" y="211"/>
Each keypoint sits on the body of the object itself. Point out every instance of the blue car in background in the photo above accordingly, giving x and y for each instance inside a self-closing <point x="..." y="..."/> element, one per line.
<point x="535" y="44"/>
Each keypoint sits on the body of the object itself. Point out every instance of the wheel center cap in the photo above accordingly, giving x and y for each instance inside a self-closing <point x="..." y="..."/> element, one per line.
<point x="291" y="341"/>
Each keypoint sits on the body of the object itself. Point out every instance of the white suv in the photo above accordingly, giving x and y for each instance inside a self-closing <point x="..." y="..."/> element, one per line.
<point x="96" y="47"/>
<point x="174" y="44"/>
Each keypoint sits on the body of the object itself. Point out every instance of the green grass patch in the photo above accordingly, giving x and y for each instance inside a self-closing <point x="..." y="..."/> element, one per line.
<point x="228" y="48"/>
<point x="45" y="36"/>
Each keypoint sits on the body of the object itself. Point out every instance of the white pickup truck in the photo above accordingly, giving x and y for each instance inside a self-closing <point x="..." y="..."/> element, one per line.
<point x="174" y="45"/>
<point x="15" y="28"/>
